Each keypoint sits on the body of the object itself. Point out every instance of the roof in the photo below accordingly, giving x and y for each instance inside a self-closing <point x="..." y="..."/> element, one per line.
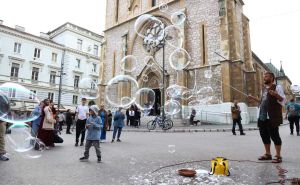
<point x="274" y="70"/>
<point x="29" y="34"/>
<point x="68" y="24"/>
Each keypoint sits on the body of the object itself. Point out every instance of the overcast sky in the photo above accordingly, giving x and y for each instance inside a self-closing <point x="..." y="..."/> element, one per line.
<point x="274" y="24"/>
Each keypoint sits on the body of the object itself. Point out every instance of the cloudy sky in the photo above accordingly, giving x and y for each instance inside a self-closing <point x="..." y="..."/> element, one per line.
<point x="274" y="24"/>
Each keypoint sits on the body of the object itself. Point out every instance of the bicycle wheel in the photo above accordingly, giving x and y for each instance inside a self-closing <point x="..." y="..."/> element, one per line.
<point x="168" y="124"/>
<point x="151" y="125"/>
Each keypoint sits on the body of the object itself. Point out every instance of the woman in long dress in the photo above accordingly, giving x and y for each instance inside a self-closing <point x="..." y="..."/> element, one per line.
<point x="104" y="118"/>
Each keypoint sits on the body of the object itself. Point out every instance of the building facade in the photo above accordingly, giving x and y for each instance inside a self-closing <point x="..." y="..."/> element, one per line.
<point x="37" y="62"/>
<point x="216" y="34"/>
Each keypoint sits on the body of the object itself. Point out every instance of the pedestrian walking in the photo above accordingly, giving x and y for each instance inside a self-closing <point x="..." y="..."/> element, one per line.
<point x="118" y="124"/>
<point x="131" y="116"/>
<point x="82" y="112"/>
<point x="61" y="120"/>
<point x="69" y="121"/>
<point x="103" y="115"/>
<point x="293" y="115"/>
<point x="93" y="126"/>
<point x="3" y="157"/>
<point x="236" y="118"/>
<point x="270" y="116"/>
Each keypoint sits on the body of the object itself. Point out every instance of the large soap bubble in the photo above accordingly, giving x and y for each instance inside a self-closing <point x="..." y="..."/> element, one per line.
<point x="120" y="91"/>
<point x="21" y="103"/>
<point x="174" y="91"/>
<point x="88" y="89"/>
<point x="145" y="98"/>
<point x="179" y="59"/>
<point x="129" y="63"/>
<point x="149" y="21"/>
<point x="172" y="107"/>
<point x="205" y="94"/>
<point x="174" y="36"/>
<point x="178" y="18"/>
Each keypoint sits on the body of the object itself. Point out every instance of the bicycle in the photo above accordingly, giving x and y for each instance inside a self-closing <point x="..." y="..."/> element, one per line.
<point x="165" y="125"/>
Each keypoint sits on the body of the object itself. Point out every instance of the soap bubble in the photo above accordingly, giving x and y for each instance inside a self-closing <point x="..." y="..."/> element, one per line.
<point x="178" y="18"/>
<point x="179" y="59"/>
<point x="187" y="94"/>
<point x="205" y="94"/>
<point x="88" y="89"/>
<point x="129" y="63"/>
<point x="20" y="139"/>
<point x="145" y="98"/>
<point x="145" y="78"/>
<point x="171" y="149"/>
<point x="149" y="21"/>
<point x="295" y="88"/>
<point x="172" y="107"/>
<point x="120" y="91"/>
<point x="174" y="36"/>
<point x="163" y="7"/>
<point x="208" y="74"/>
<point x="174" y="91"/>
<point x="21" y="103"/>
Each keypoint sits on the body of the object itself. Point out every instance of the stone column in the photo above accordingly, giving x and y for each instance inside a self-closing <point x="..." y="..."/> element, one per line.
<point x="226" y="80"/>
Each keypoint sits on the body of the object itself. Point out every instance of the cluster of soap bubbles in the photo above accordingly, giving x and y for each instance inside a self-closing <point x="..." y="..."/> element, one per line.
<point x="17" y="109"/>
<point x="123" y="90"/>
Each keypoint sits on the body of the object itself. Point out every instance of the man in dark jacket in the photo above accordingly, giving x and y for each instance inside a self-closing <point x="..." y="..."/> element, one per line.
<point x="236" y="118"/>
<point x="270" y="116"/>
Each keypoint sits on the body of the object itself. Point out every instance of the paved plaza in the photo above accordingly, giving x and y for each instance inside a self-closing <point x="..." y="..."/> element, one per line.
<point x="140" y="153"/>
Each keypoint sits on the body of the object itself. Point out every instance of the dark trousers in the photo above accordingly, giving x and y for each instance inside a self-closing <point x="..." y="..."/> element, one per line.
<point x="268" y="132"/>
<point x="294" y="120"/>
<point x="88" y="145"/>
<point x="80" y="129"/>
<point x="60" y="125"/>
<point x="119" y="130"/>
<point x="68" y="127"/>
<point x="132" y="121"/>
<point x="237" y="121"/>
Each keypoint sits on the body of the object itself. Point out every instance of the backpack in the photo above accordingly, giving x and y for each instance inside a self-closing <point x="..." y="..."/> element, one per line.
<point x="292" y="111"/>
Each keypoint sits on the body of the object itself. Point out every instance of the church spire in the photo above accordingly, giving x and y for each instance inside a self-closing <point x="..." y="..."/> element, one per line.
<point x="281" y="69"/>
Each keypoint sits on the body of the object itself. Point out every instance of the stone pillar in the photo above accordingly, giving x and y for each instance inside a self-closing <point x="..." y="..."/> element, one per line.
<point x="238" y="81"/>
<point x="226" y="80"/>
<point x="247" y="44"/>
<point x="251" y="85"/>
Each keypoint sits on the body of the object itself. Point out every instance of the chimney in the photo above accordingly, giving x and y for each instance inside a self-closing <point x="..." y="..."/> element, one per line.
<point x="1" y="22"/>
<point x="44" y="35"/>
<point x="20" y="28"/>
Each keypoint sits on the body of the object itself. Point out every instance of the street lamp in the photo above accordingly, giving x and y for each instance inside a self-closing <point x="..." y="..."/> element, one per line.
<point x="60" y="78"/>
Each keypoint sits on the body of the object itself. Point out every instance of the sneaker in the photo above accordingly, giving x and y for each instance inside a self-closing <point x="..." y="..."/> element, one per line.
<point x="3" y="158"/>
<point x="242" y="134"/>
<point x="291" y="133"/>
<point x="234" y="133"/>
<point x="99" y="160"/>
<point x="81" y="144"/>
<point x="83" y="159"/>
<point x="298" y="134"/>
<point x="76" y="144"/>
<point x="118" y="140"/>
<point x="113" y="141"/>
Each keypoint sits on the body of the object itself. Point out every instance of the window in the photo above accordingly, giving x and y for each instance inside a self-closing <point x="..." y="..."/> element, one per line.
<point x="77" y="63"/>
<point x="52" y="77"/>
<point x="54" y="57"/>
<point x="153" y="3"/>
<point x="75" y="99"/>
<point x="93" y="85"/>
<point x="17" y="48"/>
<point x="50" y="96"/>
<point x="12" y="92"/>
<point x="79" y="44"/>
<point x="37" y="53"/>
<point x="32" y="94"/>
<point x="96" y="50"/>
<point x="14" y="72"/>
<point x="94" y="69"/>
<point x="35" y="74"/>
<point x="76" y="81"/>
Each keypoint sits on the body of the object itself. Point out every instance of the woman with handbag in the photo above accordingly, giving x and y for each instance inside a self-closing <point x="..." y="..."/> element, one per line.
<point x="47" y="125"/>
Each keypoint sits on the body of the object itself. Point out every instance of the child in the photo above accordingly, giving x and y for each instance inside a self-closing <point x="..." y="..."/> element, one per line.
<point x="93" y="126"/>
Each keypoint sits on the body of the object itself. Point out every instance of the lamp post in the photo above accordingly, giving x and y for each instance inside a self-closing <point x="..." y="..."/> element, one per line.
<point x="60" y="78"/>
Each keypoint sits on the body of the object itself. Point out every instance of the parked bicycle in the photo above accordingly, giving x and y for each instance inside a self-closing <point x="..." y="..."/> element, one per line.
<point x="165" y="125"/>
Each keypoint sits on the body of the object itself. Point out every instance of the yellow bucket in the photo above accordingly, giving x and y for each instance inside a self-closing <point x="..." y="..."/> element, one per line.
<point x="219" y="166"/>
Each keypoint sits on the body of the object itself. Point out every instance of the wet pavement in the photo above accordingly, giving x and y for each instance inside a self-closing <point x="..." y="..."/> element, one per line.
<point x="140" y="153"/>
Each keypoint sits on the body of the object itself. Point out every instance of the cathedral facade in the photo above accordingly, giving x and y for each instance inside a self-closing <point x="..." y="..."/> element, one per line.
<point x="215" y="34"/>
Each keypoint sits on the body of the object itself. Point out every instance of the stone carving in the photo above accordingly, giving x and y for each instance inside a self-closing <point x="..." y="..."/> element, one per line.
<point x="154" y="38"/>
